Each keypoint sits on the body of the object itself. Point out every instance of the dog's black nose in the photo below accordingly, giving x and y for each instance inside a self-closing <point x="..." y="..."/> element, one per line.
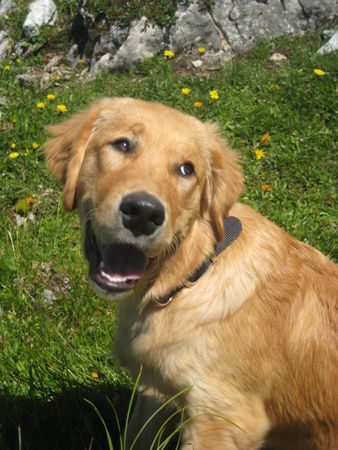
<point x="142" y="213"/>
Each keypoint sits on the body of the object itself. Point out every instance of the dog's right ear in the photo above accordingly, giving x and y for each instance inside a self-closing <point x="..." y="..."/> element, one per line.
<point x="66" y="148"/>
<point x="223" y="184"/>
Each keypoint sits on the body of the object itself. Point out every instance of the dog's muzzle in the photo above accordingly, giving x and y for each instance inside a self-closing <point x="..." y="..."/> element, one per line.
<point x="116" y="267"/>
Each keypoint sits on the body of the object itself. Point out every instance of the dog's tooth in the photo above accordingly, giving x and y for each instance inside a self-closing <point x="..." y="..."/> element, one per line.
<point x="112" y="279"/>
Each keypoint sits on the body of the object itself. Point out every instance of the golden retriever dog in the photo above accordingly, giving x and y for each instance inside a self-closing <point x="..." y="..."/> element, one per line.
<point x="249" y="328"/>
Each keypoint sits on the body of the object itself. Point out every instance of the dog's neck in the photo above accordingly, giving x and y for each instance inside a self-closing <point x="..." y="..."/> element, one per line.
<point x="193" y="257"/>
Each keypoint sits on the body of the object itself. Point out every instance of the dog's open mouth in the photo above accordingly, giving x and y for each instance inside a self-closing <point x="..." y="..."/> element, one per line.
<point x="114" y="268"/>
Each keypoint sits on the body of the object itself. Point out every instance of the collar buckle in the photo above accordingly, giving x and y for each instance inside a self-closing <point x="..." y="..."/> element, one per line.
<point x="163" y="304"/>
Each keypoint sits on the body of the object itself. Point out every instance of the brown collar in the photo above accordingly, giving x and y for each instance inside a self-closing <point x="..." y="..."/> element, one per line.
<point x="232" y="229"/>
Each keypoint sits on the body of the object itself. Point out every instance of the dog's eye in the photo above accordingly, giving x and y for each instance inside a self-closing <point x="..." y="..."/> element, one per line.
<point x="186" y="170"/>
<point x="122" y="145"/>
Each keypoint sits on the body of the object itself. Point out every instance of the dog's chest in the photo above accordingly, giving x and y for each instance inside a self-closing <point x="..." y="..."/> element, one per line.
<point x="154" y="341"/>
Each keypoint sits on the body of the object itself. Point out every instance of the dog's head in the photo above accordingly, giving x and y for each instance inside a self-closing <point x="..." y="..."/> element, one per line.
<point x="140" y="174"/>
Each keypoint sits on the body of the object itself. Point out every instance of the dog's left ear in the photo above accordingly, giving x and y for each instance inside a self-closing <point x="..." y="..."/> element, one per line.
<point x="223" y="183"/>
<point x="66" y="148"/>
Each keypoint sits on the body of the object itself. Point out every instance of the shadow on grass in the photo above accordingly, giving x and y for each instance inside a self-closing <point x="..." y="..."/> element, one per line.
<point x="67" y="422"/>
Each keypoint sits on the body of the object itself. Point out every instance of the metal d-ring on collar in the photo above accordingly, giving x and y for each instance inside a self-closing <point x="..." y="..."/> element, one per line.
<point x="232" y="229"/>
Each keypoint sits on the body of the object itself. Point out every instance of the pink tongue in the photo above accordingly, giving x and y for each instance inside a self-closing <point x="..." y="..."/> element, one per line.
<point x="122" y="262"/>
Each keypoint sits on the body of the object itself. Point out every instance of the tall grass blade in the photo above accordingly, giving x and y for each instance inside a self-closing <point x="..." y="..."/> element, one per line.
<point x="19" y="437"/>
<point x="117" y="422"/>
<point x="161" y="430"/>
<point x="129" y="408"/>
<point x="183" y="391"/>
<point x="185" y="422"/>
<point x="111" y="447"/>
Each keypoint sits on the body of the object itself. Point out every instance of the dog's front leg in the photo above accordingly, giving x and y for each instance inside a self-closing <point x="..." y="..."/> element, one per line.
<point x="244" y="428"/>
<point x="215" y="435"/>
<point x="147" y="406"/>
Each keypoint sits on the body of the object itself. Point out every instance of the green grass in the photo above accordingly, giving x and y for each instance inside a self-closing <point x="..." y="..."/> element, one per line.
<point x="48" y="352"/>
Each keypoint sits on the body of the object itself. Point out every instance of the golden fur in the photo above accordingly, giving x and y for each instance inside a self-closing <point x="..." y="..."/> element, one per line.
<point x="255" y="336"/>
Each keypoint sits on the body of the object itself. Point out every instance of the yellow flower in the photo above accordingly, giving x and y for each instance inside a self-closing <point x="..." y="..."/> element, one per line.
<point x="13" y="155"/>
<point x="259" y="154"/>
<point x="266" y="137"/>
<point x="214" y="95"/>
<point x="7" y="68"/>
<point x="13" y="146"/>
<point x="8" y="48"/>
<point x="41" y="105"/>
<point x="18" y="60"/>
<point x="14" y="120"/>
<point x="168" y="54"/>
<point x="35" y="145"/>
<point x="201" y="50"/>
<point x="319" y="72"/>
<point x="30" y="200"/>
<point x="95" y="375"/>
<point x="185" y="91"/>
<point x="57" y="78"/>
<point x="198" y="105"/>
<point x="51" y="97"/>
<point x="266" y="187"/>
<point x="62" y="108"/>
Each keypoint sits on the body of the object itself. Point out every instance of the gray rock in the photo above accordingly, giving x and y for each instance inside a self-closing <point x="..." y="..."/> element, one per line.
<point x="20" y="221"/>
<point x="21" y="47"/>
<point x="196" y="28"/>
<point x="320" y="11"/>
<point x="197" y="63"/>
<point x="110" y="42"/>
<point x="5" y="6"/>
<point x="221" y="15"/>
<point x="243" y="23"/>
<point x="233" y="26"/>
<point x="28" y="79"/>
<point x="104" y="63"/>
<point x="73" y="56"/>
<point x="4" y="42"/>
<point x="143" y="41"/>
<point x="44" y="80"/>
<point x="277" y="57"/>
<point x="54" y="62"/>
<point x="41" y="12"/>
<point x="330" y="46"/>
<point x="49" y="296"/>
<point x="327" y="34"/>
<point x="31" y="217"/>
